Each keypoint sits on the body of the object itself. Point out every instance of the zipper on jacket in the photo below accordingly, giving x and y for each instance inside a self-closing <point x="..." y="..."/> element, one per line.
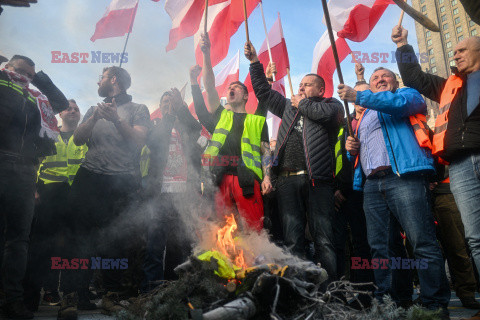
<point x="388" y="137"/>
<point x="285" y="138"/>
<point x="306" y="154"/>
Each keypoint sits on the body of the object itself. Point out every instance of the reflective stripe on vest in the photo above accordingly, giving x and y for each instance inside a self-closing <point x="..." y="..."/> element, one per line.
<point x="144" y="161"/>
<point x="250" y="143"/>
<point x="17" y="88"/>
<point x="453" y="85"/>
<point x="338" y="152"/>
<point x="421" y="130"/>
<point x="63" y="166"/>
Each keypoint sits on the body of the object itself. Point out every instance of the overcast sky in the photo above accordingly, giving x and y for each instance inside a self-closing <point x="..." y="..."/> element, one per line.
<point x="67" y="25"/>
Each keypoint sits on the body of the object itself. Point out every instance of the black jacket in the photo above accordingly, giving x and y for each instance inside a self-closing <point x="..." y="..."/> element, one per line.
<point x="20" y="120"/>
<point x="322" y="118"/>
<point x="158" y="141"/>
<point x="463" y="133"/>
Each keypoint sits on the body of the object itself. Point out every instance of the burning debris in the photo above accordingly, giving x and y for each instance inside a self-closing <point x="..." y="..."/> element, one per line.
<point x="218" y="284"/>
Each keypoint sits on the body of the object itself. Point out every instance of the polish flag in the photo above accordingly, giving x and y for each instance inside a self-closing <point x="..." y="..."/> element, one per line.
<point x="117" y="20"/>
<point x="278" y="47"/>
<point x="224" y="19"/>
<point x="354" y="19"/>
<point x="323" y="62"/>
<point x="186" y="16"/>
<point x="279" y="51"/>
<point x="227" y="75"/>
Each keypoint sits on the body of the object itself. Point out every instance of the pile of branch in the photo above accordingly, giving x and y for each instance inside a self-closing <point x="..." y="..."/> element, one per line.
<point x="297" y="293"/>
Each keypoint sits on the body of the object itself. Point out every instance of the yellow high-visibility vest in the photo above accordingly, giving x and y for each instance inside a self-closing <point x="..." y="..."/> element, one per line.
<point x="250" y="144"/>
<point x="63" y="166"/>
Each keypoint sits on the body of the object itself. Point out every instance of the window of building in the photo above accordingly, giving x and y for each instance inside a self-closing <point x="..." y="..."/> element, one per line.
<point x="444" y="18"/>
<point x="445" y="26"/>
<point x="432" y="60"/>
<point x="434" y="70"/>
<point x="447" y="35"/>
<point x="471" y="23"/>
<point x="422" y="1"/>
<point x="450" y="54"/>
<point x="429" y="42"/>
<point x="428" y="33"/>
<point x="449" y="44"/>
<point x="454" y="3"/>
<point x="474" y="32"/>
<point x="442" y="9"/>
<point x="430" y="52"/>
<point x="459" y="29"/>
<point x="424" y="8"/>
<point x="455" y="11"/>
<point x="460" y="38"/>
<point x="440" y="1"/>
<point x="457" y="20"/>
<point x="452" y="63"/>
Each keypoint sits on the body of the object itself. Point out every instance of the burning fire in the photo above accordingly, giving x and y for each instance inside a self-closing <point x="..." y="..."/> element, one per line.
<point x="226" y="243"/>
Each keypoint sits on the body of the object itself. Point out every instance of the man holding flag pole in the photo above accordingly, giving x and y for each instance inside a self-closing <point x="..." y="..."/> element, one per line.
<point x="304" y="152"/>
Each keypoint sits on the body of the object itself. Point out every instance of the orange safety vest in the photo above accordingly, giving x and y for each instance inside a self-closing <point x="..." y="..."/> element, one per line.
<point x="421" y="130"/>
<point x="453" y="85"/>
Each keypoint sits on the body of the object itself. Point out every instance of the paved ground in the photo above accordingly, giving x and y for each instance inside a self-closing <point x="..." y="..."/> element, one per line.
<point x="50" y="313"/>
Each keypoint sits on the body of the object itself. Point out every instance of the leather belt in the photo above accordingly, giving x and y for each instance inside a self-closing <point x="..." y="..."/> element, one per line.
<point x="380" y="173"/>
<point x="292" y="173"/>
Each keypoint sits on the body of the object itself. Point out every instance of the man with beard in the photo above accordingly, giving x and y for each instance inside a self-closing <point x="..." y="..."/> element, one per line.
<point x="238" y="144"/>
<point x="55" y="177"/>
<point x="114" y="131"/>
<point x="27" y="132"/>
<point x="388" y="154"/>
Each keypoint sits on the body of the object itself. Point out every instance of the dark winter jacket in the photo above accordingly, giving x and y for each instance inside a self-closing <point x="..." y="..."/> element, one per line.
<point x="463" y="133"/>
<point x="322" y="119"/>
<point x="20" y="120"/>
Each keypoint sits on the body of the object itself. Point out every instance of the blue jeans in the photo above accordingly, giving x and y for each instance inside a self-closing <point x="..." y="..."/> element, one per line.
<point x="465" y="186"/>
<point x="408" y="200"/>
<point x="298" y="203"/>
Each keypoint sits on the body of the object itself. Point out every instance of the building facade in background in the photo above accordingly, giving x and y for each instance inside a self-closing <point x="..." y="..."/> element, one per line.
<point x="455" y="25"/>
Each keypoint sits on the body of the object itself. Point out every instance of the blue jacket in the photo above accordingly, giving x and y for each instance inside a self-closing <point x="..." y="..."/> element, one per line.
<point x="394" y="109"/>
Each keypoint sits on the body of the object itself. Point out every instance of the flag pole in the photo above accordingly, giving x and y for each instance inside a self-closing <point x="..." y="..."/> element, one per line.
<point x="337" y="61"/>
<point x="401" y="17"/>
<point x="290" y="82"/>
<point x="246" y="20"/>
<point x="266" y="35"/>
<point x="124" y="48"/>
<point x="205" y="26"/>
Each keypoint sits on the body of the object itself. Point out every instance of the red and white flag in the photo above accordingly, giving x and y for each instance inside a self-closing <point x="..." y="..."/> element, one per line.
<point x="117" y="20"/>
<point x="279" y="51"/>
<point x="224" y="19"/>
<point x="354" y="19"/>
<point x="323" y="62"/>
<point x="227" y="75"/>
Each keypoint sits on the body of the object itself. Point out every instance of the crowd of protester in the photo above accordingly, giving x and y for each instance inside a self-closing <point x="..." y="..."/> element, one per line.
<point x="392" y="189"/>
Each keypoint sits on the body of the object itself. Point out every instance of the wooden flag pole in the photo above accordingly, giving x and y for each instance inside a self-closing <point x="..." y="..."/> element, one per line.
<point x="337" y="62"/>
<point x="205" y="26"/>
<point x="266" y="35"/>
<point x="290" y="82"/>
<point x="401" y="17"/>
<point x="246" y="19"/>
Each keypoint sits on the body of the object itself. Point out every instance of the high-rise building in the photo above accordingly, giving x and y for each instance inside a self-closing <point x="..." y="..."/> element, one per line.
<point x="436" y="48"/>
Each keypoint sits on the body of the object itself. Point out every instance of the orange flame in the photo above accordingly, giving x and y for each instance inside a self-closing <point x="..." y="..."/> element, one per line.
<point x="226" y="244"/>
